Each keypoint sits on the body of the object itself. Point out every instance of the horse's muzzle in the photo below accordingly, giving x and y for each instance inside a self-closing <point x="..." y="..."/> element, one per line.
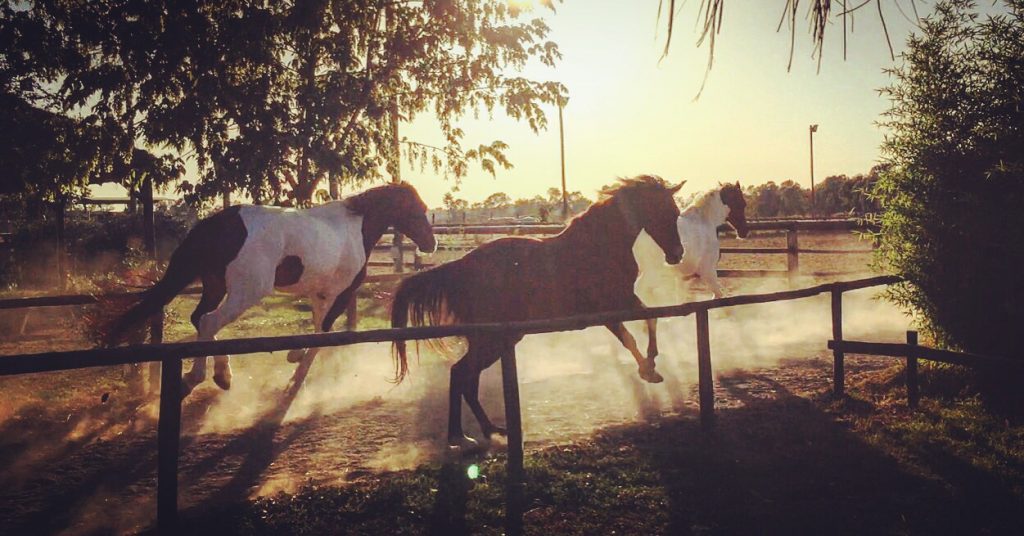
<point x="674" y="256"/>
<point x="429" y="247"/>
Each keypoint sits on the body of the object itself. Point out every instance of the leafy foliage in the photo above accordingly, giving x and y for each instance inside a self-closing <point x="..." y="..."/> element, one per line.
<point x="274" y="97"/>
<point x="952" y="225"/>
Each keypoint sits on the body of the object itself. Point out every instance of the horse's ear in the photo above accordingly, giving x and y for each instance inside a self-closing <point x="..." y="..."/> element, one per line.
<point x="738" y="185"/>
<point x="675" y="189"/>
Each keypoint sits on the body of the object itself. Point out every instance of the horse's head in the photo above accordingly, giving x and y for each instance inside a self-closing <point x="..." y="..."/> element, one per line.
<point x="410" y="217"/>
<point x="732" y="198"/>
<point x="649" y="205"/>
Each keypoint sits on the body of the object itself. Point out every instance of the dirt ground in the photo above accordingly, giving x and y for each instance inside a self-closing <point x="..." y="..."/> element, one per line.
<point x="78" y="449"/>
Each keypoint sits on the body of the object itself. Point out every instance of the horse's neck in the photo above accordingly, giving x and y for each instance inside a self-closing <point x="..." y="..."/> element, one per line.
<point x="338" y="215"/>
<point x="604" y="227"/>
<point x="708" y="207"/>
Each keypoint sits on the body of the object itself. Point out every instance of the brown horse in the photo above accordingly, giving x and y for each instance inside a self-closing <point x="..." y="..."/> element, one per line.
<point x="587" y="268"/>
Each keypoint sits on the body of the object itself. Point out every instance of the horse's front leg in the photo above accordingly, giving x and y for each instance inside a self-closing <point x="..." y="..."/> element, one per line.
<point x="652" y="340"/>
<point x="652" y="332"/>
<point x="195" y="376"/>
<point x="646" y="366"/>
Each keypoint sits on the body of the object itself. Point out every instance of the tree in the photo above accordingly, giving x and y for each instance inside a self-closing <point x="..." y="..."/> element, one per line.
<point x="767" y="201"/>
<point x="952" y="226"/>
<point x="793" y="200"/>
<point x="496" y="202"/>
<point x="273" y="97"/>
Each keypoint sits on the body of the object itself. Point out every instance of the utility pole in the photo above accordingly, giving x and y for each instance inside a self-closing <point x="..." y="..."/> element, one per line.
<point x="561" y="142"/>
<point x="811" y="130"/>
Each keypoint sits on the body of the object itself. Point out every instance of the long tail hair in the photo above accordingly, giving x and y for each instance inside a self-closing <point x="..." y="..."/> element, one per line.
<point x="181" y="270"/>
<point x="422" y="300"/>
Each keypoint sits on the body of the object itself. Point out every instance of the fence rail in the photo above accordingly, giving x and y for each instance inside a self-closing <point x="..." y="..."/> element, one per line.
<point x="791" y="228"/>
<point x="912" y="352"/>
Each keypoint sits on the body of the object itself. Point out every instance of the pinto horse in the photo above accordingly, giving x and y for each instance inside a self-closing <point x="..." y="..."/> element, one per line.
<point x="245" y="252"/>
<point x="698" y="229"/>
<point x="587" y="268"/>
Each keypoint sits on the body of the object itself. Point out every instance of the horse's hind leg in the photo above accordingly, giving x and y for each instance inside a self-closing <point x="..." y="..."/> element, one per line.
<point x="240" y="296"/>
<point x="485" y="357"/>
<point x="647" y="372"/>
<point x="214" y="290"/>
<point x="465" y="380"/>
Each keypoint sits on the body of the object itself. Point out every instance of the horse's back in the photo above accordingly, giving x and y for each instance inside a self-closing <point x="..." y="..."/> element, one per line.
<point x="518" y="278"/>
<point x="325" y="253"/>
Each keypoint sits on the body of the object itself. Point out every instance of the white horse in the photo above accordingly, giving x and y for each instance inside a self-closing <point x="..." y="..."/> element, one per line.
<point x="658" y="283"/>
<point x="245" y="252"/>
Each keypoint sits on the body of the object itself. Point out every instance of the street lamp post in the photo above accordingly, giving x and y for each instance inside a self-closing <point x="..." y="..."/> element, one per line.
<point x="812" y="129"/>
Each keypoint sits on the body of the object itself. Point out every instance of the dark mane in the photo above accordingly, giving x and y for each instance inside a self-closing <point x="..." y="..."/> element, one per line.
<point x="623" y="186"/>
<point x="364" y="201"/>
<point x="631" y="183"/>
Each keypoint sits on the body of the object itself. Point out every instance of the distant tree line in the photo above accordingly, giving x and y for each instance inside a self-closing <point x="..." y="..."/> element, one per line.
<point x="836" y="195"/>
<point x="501" y="208"/>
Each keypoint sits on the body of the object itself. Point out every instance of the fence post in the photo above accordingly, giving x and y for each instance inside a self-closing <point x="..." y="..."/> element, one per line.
<point x="792" y="254"/>
<point x="352" y="314"/>
<point x="168" y="439"/>
<point x="62" y="276"/>
<point x="156" y="336"/>
<point x="514" y="426"/>
<point x="707" y="386"/>
<point x="912" y="393"/>
<point x="838" y="370"/>
<point x="396" y="252"/>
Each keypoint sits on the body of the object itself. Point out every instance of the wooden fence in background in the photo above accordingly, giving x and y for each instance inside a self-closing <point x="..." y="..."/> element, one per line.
<point x="791" y="228"/>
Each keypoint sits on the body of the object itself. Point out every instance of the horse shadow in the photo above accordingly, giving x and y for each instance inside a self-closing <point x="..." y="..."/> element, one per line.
<point x="258" y="445"/>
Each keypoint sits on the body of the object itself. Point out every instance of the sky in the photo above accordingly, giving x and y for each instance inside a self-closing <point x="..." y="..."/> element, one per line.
<point x="631" y="112"/>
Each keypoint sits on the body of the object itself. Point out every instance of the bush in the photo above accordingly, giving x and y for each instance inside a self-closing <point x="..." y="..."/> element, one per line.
<point x="953" y="225"/>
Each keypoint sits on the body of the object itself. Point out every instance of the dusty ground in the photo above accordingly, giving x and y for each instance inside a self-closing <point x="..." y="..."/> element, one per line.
<point x="77" y="449"/>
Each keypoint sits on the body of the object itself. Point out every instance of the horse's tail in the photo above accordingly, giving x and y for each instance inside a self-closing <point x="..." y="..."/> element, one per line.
<point x="181" y="270"/>
<point x="419" y="300"/>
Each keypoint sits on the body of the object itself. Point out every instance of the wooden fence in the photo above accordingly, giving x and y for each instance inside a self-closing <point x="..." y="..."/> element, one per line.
<point x="790" y="227"/>
<point x="170" y="356"/>
<point x="912" y="353"/>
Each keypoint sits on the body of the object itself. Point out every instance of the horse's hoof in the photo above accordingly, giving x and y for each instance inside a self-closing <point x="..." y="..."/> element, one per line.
<point x="294" y="356"/>
<point x="495" y="430"/>
<point x="223" y="381"/>
<point x="462" y="444"/>
<point x="650" y="375"/>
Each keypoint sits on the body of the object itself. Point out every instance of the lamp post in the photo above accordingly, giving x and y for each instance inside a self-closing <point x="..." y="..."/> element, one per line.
<point x="811" y="130"/>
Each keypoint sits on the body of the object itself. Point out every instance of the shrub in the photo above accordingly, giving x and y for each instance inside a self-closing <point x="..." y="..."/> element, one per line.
<point x="953" y="225"/>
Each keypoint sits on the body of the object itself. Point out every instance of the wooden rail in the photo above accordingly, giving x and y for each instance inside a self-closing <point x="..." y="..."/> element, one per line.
<point x="912" y="353"/>
<point x="791" y="228"/>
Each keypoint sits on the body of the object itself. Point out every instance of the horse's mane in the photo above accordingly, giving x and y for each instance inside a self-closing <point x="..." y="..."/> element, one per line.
<point x="631" y="183"/>
<point x="363" y="201"/>
<point x="704" y="201"/>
